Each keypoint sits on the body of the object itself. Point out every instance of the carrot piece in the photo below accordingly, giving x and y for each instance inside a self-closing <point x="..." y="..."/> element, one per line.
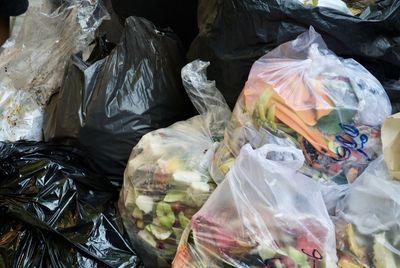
<point x="292" y="120"/>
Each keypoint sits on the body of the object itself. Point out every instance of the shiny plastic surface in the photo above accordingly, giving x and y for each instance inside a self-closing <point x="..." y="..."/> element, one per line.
<point x="56" y="213"/>
<point x="109" y="105"/>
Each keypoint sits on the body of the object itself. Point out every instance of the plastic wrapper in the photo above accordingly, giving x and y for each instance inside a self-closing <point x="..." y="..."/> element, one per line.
<point x="330" y="107"/>
<point x="166" y="179"/>
<point x="32" y="65"/>
<point x="235" y="33"/>
<point x="54" y="212"/>
<point x="113" y="102"/>
<point x="368" y="220"/>
<point x="264" y="214"/>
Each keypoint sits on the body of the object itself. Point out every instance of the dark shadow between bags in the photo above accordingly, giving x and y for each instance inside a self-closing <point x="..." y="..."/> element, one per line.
<point x="56" y="213"/>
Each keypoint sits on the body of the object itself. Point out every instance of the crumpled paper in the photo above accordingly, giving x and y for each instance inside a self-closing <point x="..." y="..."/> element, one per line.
<point x="391" y="144"/>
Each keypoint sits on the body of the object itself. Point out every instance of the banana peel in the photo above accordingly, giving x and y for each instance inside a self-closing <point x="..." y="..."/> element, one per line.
<point x="354" y="246"/>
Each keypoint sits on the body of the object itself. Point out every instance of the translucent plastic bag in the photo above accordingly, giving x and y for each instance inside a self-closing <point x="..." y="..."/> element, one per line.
<point x="34" y="62"/>
<point x="166" y="179"/>
<point x="330" y="107"/>
<point x="264" y="214"/>
<point x="368" y="220"/>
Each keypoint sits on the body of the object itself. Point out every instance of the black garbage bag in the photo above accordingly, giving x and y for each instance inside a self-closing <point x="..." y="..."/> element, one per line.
<point x="109" y="105"/>
<point x="54" y="212"/>
<point x="235" y="33"/>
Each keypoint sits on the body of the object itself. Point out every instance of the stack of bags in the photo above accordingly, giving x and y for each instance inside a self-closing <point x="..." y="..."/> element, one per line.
<point x="105" y="163"/>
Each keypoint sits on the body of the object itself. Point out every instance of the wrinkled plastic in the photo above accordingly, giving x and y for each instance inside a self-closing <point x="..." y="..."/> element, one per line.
<point x="330" y="107"/>
<point x="392" y="87"/>
<point x="264" y="214"/>
<point x="32" y="67"/>
<point x="54" y="212"/>
<point x="235" y="33"/>
<point x="112" y="103"/>
<point x="368" y="220"/>
<point x="167" y="179"/>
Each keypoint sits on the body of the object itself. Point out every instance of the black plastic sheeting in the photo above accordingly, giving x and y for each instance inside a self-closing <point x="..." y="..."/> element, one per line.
<point x="56" y="213"/>
<point x="235" y="33"/>
<point x="110" y="104"/>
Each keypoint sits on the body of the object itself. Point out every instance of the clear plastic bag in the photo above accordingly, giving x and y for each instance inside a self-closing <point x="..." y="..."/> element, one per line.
<point x="167" y="179"/>
<point x="264" y="214"/>
<point x="35" y="61"/>
<point x="330" y="107"/>
<point x="368" y="220"/>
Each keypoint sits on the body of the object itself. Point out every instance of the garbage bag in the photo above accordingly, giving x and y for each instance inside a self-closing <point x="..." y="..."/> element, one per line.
<point x="32" y="65"/>
<point x="368" y="220"/>
<point x="112" y="103"/>
<point x="392" y="87"/>
<point x="235" y="33"/>
<point x="166" y="179"/>
<point x="331" y="108"/>
<point x="62" y="114"/>
<point x="264" y="214"/>
<point x="54" y="212"/>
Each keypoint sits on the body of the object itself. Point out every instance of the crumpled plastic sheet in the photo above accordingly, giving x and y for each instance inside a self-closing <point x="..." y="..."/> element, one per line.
<point x="34" y="62"/>
<point x="56" y="213"/>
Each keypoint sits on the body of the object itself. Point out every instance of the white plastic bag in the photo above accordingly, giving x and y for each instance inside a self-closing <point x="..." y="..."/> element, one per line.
<point x="34" y="62"/>
<point x="332" y="108"/>
<point x="264" y="214"/>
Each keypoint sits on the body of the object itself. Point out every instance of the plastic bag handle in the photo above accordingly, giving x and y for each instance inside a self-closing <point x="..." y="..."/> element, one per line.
<point x="203" y="93"/>
<point x="294" y="164"/>
<point x="205" y="96"/>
